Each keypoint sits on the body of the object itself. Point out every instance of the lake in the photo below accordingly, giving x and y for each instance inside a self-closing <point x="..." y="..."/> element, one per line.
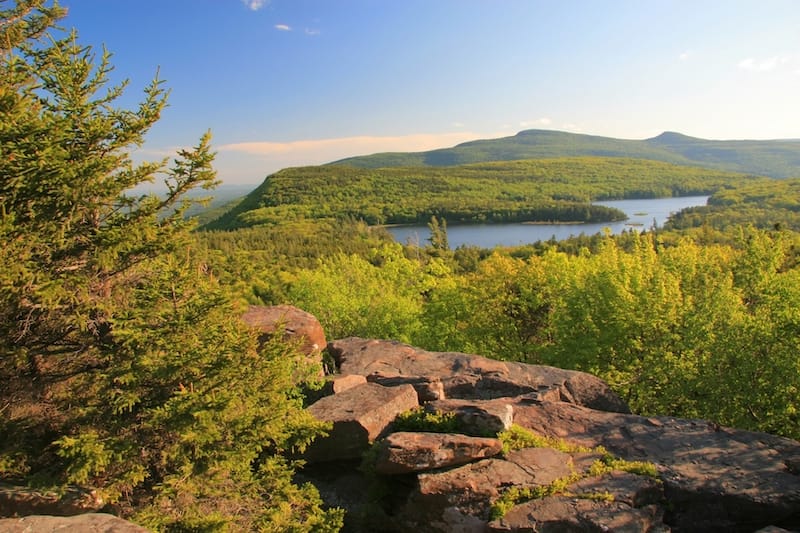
<point x="641" y="214"/>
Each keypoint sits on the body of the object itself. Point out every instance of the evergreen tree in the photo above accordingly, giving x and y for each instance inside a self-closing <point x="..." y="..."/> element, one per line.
<point x="124" y="367"/>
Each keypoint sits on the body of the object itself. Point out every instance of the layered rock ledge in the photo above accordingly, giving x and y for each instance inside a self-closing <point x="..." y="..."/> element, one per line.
<point x="708" y="478"/>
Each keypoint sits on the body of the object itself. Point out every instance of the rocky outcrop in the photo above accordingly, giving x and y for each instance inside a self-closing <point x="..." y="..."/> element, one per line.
<point x="85" y="523"/>
<point x="707" y="478"/>
<point x="715" y="478"/>
<point x="470" y="376"/>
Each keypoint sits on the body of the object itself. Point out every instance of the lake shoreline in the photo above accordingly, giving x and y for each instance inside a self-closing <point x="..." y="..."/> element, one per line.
<point x="642" y="215"/>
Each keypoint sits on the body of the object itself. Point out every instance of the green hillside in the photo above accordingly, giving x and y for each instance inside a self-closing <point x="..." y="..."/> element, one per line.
<point x="765" y="204"/>
<point x="552" y="190"/>
<point x="777" y="159"/>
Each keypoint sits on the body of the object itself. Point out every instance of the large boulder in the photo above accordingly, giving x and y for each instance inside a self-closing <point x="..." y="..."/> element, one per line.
<point x="294" y="324"/>
<point x="84" y="523"/>
<point x="359" y="415"/>
<point x="468" y="376"/>
<point x="405" y="452"/>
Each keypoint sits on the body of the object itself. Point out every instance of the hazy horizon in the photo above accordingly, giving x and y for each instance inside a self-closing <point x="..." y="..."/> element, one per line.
<point x="298" y="82"/>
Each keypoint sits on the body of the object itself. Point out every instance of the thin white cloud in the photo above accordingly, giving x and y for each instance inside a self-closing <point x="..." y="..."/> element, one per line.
<point x="249" y="162"/>
<point x="544" y="121"/>
<point x="569" y="126"/>
<point x="255" y="5"/>
<point x="310" y="31"/>
<point x="685" y="55"/>
<point x="283" y="27"/>
<point x="323" y="150"/>
<point x="763" y="65"/>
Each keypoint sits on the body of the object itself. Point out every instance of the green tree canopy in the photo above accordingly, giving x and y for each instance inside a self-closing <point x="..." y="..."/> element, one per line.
<point x="124" y="367"/>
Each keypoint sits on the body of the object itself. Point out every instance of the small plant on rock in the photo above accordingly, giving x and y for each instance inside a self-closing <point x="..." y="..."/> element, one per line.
<point x="419" y="419"/>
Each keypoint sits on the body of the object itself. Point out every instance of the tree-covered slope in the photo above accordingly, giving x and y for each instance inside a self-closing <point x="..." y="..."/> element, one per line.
<point x="774" y="158"/>
<point x="777" y="159"/>
<point x="529" y="190"/>
<point x="764" y="204"/>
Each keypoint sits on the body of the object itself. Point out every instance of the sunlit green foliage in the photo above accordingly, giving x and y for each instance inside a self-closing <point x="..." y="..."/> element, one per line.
<point x="380" y="297"/>
<point x="676" y="327"/>
<point x="123" y="363"/>
<point x="517" y="437"/>
<point x="534" y="190"/>
<point x="420" y="419"/>
<point x="763" y="204"/>
<point x="690" y="330"/>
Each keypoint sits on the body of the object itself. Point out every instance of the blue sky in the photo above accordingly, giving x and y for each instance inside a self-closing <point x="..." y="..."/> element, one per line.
<point x="293" y="82"/>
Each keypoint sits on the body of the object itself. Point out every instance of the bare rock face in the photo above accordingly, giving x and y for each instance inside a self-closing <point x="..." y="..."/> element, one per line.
<point x="471" y="376"/>
<point x="21" y="501"/>
<point x="85" y="523"/>
<point x="617" y="501"/>
<point x="715" y="479"/>
<point x="338" y="383"/>
<point x="295" y="324"/>
<point x="576" y="515"/>
<point x="470" y="490"/>
<point x="359" y="415"/>
<point x="428" y="389"/>
<point x="406" y="452"/>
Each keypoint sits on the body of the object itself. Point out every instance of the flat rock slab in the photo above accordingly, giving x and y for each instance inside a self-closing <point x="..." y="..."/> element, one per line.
<point x="84" y="523"/>
<point x="471" y="376"/>
<point x="575" y="515"/>
<point x="406" y="452"/>
<point x="359" y="415"/>
<point x="631" y="489"/>
<point x="715" y="479"/>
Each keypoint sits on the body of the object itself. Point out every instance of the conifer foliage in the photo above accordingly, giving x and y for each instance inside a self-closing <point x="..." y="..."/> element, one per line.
<point x="123" y="365"/>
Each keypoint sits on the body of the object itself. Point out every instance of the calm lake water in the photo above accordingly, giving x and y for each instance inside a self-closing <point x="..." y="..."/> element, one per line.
<point x="641" y="214"/>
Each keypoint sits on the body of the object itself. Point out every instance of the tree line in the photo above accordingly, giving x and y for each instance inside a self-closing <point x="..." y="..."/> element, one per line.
<point x="550" y="190"/>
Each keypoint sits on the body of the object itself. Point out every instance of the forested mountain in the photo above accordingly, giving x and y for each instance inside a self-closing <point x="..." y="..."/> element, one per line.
<point x="528" y="190"/>
<point x="774" y="158"/>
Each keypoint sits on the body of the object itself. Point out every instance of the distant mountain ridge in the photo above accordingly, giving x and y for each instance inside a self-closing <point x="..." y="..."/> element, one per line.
<point x="778" y="158"/>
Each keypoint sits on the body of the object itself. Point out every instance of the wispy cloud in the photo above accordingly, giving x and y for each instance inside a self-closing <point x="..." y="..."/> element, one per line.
<point x="316" y="151"/>
<point x="255" y="5"/>
<point x="283" y="27"/>
<point x="763" y="65"/>
<point x="544" y="121"/>
<point x="685" y="55"/>
<point x="249" y="162"/>
<point x="311" y="31"/>
<point x="569" y="126"/>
